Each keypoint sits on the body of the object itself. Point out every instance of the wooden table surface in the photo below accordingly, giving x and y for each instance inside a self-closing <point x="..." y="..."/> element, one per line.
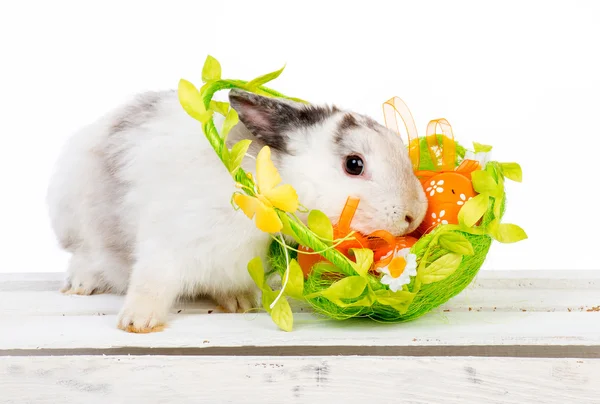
<point x="512" y="337"/>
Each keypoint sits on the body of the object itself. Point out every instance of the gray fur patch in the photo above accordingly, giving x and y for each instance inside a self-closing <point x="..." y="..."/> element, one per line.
<point x="269" y="119"/>
<point x="138" y="111"/>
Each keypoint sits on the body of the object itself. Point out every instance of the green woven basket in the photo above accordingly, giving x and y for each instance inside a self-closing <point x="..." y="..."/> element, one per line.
<point x="448" y="258"/>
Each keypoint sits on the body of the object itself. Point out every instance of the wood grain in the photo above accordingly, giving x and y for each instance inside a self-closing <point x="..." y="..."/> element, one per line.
<point x="157" y="379"/>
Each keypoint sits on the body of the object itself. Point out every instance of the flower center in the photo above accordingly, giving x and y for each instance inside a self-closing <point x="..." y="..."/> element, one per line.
<point x="397" y="266"/>
<point x="264" y="200"/>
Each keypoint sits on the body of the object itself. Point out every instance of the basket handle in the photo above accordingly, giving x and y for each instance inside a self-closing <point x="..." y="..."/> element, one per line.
<point x="395" y="106"/>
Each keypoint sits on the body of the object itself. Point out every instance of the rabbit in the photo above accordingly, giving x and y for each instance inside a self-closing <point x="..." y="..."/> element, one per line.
<point x="143" y="204"/>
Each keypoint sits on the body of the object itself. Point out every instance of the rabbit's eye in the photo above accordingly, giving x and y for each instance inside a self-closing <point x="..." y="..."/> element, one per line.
<point x="354" y="165"/>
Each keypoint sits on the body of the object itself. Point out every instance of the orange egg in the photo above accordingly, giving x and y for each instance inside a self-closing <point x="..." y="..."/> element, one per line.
<point x="446" y="192"/>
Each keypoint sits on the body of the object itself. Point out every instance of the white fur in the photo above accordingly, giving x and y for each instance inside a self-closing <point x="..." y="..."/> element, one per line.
<point x="143" y="204"/>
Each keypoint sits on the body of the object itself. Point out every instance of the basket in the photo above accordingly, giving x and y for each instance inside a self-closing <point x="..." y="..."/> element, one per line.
<point x="375" y="276"/>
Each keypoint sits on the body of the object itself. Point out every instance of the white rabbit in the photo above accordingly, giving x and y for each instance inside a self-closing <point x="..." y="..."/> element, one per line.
<point x="142" y="202"/>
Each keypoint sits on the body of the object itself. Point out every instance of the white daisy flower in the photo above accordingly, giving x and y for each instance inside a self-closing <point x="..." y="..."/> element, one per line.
<point x="398" y="272"/>
<point x="435" y="186"/>
<point x="482" y="157"/>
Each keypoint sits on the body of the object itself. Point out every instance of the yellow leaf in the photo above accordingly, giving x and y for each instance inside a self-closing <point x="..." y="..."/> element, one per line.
<point x="267" y="178"/>
<point x="347" y="288"/>
<point x="512" y="171"/>
<point x="364" y="260"/>
<point x="473" y="210"/>
<point x="295" y="285"/>
<point x="283" y="197"/>
<point x="267" y="175"/>
<point x="282" y="315"/>
<point x="319" y="223"/>
<point x="259" y="81"/>
<point x="191" y="101"/>
<point x="211" y="69"/>
<point x="257" y="272"/>
<point x="441" y="268"/>
<point x="508" y="233"/>
<point x="266" y="217"/>
<point x="238" y="151"/>
<point x="484" y="183"/>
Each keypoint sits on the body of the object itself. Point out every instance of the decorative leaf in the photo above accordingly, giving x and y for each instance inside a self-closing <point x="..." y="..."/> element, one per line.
<point x="238" y="151"/>
<point x="220" y="107"/>
<point x="484" y="183"/>
<point x="295" y="285"/>
<point x="257" y="272"/>
<point x="479" y="148"/>
<point x="364" y="302"/>
<point x="456" y="242"/>
<point x="230" y="121"/>
<point x="473" y="210"/>
<point x="211" y="70"/>
<point x="190" y="100"/>
<point x="508" y="233"/>
<point x="512" y="171"/>
<point x="282" y="315"/>
<point x="268" y="296"/>
<point x="441" y="268"/>
<point x="319" y="223"/>
<point x="259" y="81"/>
<point x="364" y="260"/>
<point x="347" y="288"/>
<point x="398" y="300"/>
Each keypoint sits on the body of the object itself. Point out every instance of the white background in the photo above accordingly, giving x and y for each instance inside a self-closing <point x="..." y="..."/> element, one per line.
<point x="521" y="76"/>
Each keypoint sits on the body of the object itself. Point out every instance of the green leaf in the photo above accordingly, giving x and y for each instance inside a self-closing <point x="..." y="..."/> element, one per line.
<point x="512" y="171"/>
<point x="238" y="151"/>
<point x="190" y="100"/>
<point x="365" y="302"/>
<point x="455" y="242"/>
<point x="319" y="223"/>
<point x="399" y="300"/>
<point x="473" y="210"/>
<point x="282" y="315"/>
<point x="508" y="233"/>
<point x="259" y="81"/>
<point x="441" y="268"/>
<point x="347" y="288"/>
<point x="483" y="183"/>
<point x="268" y="297"/>
<point x="479" y="148"/>
<point x="211" y="70"/>
<point x="257" y="272"/>
<point x="295" y="285"/>
<point x="230" y="121"/>
<point x="220" y="107"/>
<point x="364" y="260"/>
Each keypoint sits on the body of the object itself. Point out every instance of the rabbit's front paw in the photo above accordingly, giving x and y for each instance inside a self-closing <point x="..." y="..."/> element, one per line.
<point x="236" y="302"/>
<point x="83" y="283"/>
<point x="142" y="315"/>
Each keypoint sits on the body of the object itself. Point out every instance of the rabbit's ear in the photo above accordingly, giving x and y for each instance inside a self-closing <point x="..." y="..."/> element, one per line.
<point x="271" y="119"/>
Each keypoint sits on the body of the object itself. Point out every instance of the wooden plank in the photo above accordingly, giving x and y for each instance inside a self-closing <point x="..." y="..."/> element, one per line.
<point x="567" y="279"/>
<point x="159" y="379"/>
<point x="559" y="329"/>
<point x="27" y="303"/>
<point x="506" y="310"/>
<point x="29" y="294"/>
